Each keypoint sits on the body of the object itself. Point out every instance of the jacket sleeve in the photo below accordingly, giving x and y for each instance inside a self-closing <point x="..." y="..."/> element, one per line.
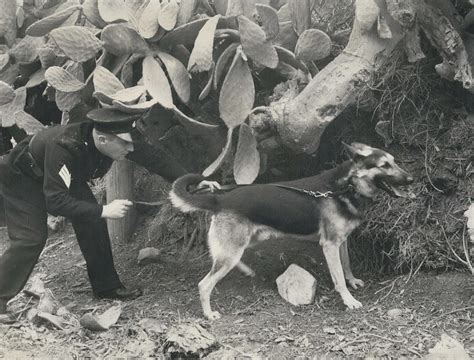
<point x="156" y="160"/>
<point x="59" y="184"/>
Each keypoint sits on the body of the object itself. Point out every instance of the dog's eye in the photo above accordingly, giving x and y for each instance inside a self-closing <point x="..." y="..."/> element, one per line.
<point x="386" y="165"/>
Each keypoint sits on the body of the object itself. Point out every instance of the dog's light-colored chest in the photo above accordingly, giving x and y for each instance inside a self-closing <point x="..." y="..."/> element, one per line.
<point x="335" y="225"/>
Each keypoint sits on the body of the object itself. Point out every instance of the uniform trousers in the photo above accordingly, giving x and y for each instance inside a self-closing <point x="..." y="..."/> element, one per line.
<point x="26" y="220"/>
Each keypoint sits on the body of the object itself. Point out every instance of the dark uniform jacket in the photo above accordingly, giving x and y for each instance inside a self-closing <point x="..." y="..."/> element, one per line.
<point x="69" y="159"/>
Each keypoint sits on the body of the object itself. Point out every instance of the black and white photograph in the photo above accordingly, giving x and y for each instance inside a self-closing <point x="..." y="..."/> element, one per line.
<point x="236" y="179"/>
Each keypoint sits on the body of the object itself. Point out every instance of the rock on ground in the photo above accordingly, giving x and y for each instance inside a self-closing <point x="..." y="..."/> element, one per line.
<point x="297" y="286"/>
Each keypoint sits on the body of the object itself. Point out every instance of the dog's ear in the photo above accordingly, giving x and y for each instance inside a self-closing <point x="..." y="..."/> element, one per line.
<point x="358" y="150"/>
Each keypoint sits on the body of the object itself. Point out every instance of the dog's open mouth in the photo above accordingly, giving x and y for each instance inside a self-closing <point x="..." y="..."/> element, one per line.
<point x="395" y="190"/>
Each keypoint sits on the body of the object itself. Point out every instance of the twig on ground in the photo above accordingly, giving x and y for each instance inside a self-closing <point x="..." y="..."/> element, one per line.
<point x="382" y="289"/>
<point x="414" y="352"/>
<point x="426" y="165"/>
<point x="107" y="352"/>
<point x="389" y="292"/>
<point x="185" y="231"/>
<point x="248" y="307"/>
<point x="357" y="340"/>
<point x="21" y="311"/>
<point x="425" y="319"/>
<point x="468" y="328"/>
<point x="462" y="261"/>
<point x="237" y="351"/>
<point x="191" y="240"/>
<point x="466" y="250"/>
<point x="454" y="311"/>
<point x="49" y="247"/>
<point x="383" y="338"/>
<point x="412" y="274"/>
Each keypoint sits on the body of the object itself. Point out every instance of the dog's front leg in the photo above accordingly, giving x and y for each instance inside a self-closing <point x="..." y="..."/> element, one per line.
<point x="346" y="265"/>
<point x="331" y="253"/>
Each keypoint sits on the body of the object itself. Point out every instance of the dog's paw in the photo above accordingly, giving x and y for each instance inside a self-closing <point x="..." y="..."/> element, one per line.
<point x="250" y="273"/>
<point x="213" y="315"/>
<point x="352" y="303"/>
<point x="246" y="270"/>
<point x="355" y="283"/>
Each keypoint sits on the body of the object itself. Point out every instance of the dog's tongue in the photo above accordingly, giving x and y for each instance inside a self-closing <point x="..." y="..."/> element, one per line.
<point x="403" y="193"/>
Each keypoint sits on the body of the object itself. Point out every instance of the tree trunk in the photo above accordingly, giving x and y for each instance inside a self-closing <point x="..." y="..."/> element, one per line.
<point x="120" y="184"/>
<point x="379" y="26"/>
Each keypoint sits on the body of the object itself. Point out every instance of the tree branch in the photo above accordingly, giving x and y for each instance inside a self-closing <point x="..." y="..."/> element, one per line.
<point x="379" y="27"/>
<point x="443" y="35"/>
<point x="337" y="85"/>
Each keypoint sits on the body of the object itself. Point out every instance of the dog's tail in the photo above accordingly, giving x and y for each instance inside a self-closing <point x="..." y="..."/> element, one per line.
<point x="182" y="199"/>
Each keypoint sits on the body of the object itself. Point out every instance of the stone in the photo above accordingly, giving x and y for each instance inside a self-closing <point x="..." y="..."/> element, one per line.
<point x="329" y="330"/>
<point x="447" y="349"/>
<point x="394" y="313"/>
<point x="56" y="223"/>
<point x="297" y="286"/>
<point x="152" y="326"/>
<point x="101" y="322"/>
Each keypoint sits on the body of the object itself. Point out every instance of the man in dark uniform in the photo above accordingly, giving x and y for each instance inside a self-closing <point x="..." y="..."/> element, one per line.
<point x="48" y="173"/>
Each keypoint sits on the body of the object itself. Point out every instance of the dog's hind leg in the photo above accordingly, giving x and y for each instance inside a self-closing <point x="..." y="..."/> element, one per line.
<point x="227" y="240"/>
<point x="245" y="269"/>
<point x="331" y="253"/>
<point x="220" y="268"/>
<point x="346" y="265"/>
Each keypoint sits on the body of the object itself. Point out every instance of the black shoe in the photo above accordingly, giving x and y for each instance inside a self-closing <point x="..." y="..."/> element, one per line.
<point x="3" y="307"/>
<point x="5" y="318"/>
<point x="121" y="293"/>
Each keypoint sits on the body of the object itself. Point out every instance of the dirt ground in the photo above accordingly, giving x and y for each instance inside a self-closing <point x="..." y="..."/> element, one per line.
<point x="256" y="322"/>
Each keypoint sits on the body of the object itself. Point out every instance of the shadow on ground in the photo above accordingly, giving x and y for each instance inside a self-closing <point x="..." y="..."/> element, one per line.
<point x="256" y="322"/>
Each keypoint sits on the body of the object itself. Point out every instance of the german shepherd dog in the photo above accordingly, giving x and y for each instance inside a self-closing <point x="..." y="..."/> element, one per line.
<point x="326" y="207"/>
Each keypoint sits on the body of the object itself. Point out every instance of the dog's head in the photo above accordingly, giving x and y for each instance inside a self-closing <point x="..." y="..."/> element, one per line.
<point x="375" y="169"/>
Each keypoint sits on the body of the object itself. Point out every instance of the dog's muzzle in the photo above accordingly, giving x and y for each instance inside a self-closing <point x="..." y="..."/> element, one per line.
<point x="395" y="186"/>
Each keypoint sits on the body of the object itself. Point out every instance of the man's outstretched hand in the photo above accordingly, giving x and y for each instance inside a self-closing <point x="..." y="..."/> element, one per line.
<point x="117" y="209"/>
<point x="212" y="185"/>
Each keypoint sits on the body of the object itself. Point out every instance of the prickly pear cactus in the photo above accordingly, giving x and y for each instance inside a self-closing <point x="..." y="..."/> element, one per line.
<point x="8" y="21"/>
<point x="129" y="56"/>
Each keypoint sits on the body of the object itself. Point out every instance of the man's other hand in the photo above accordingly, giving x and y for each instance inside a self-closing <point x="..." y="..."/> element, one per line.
<point x="117" y="209"/>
